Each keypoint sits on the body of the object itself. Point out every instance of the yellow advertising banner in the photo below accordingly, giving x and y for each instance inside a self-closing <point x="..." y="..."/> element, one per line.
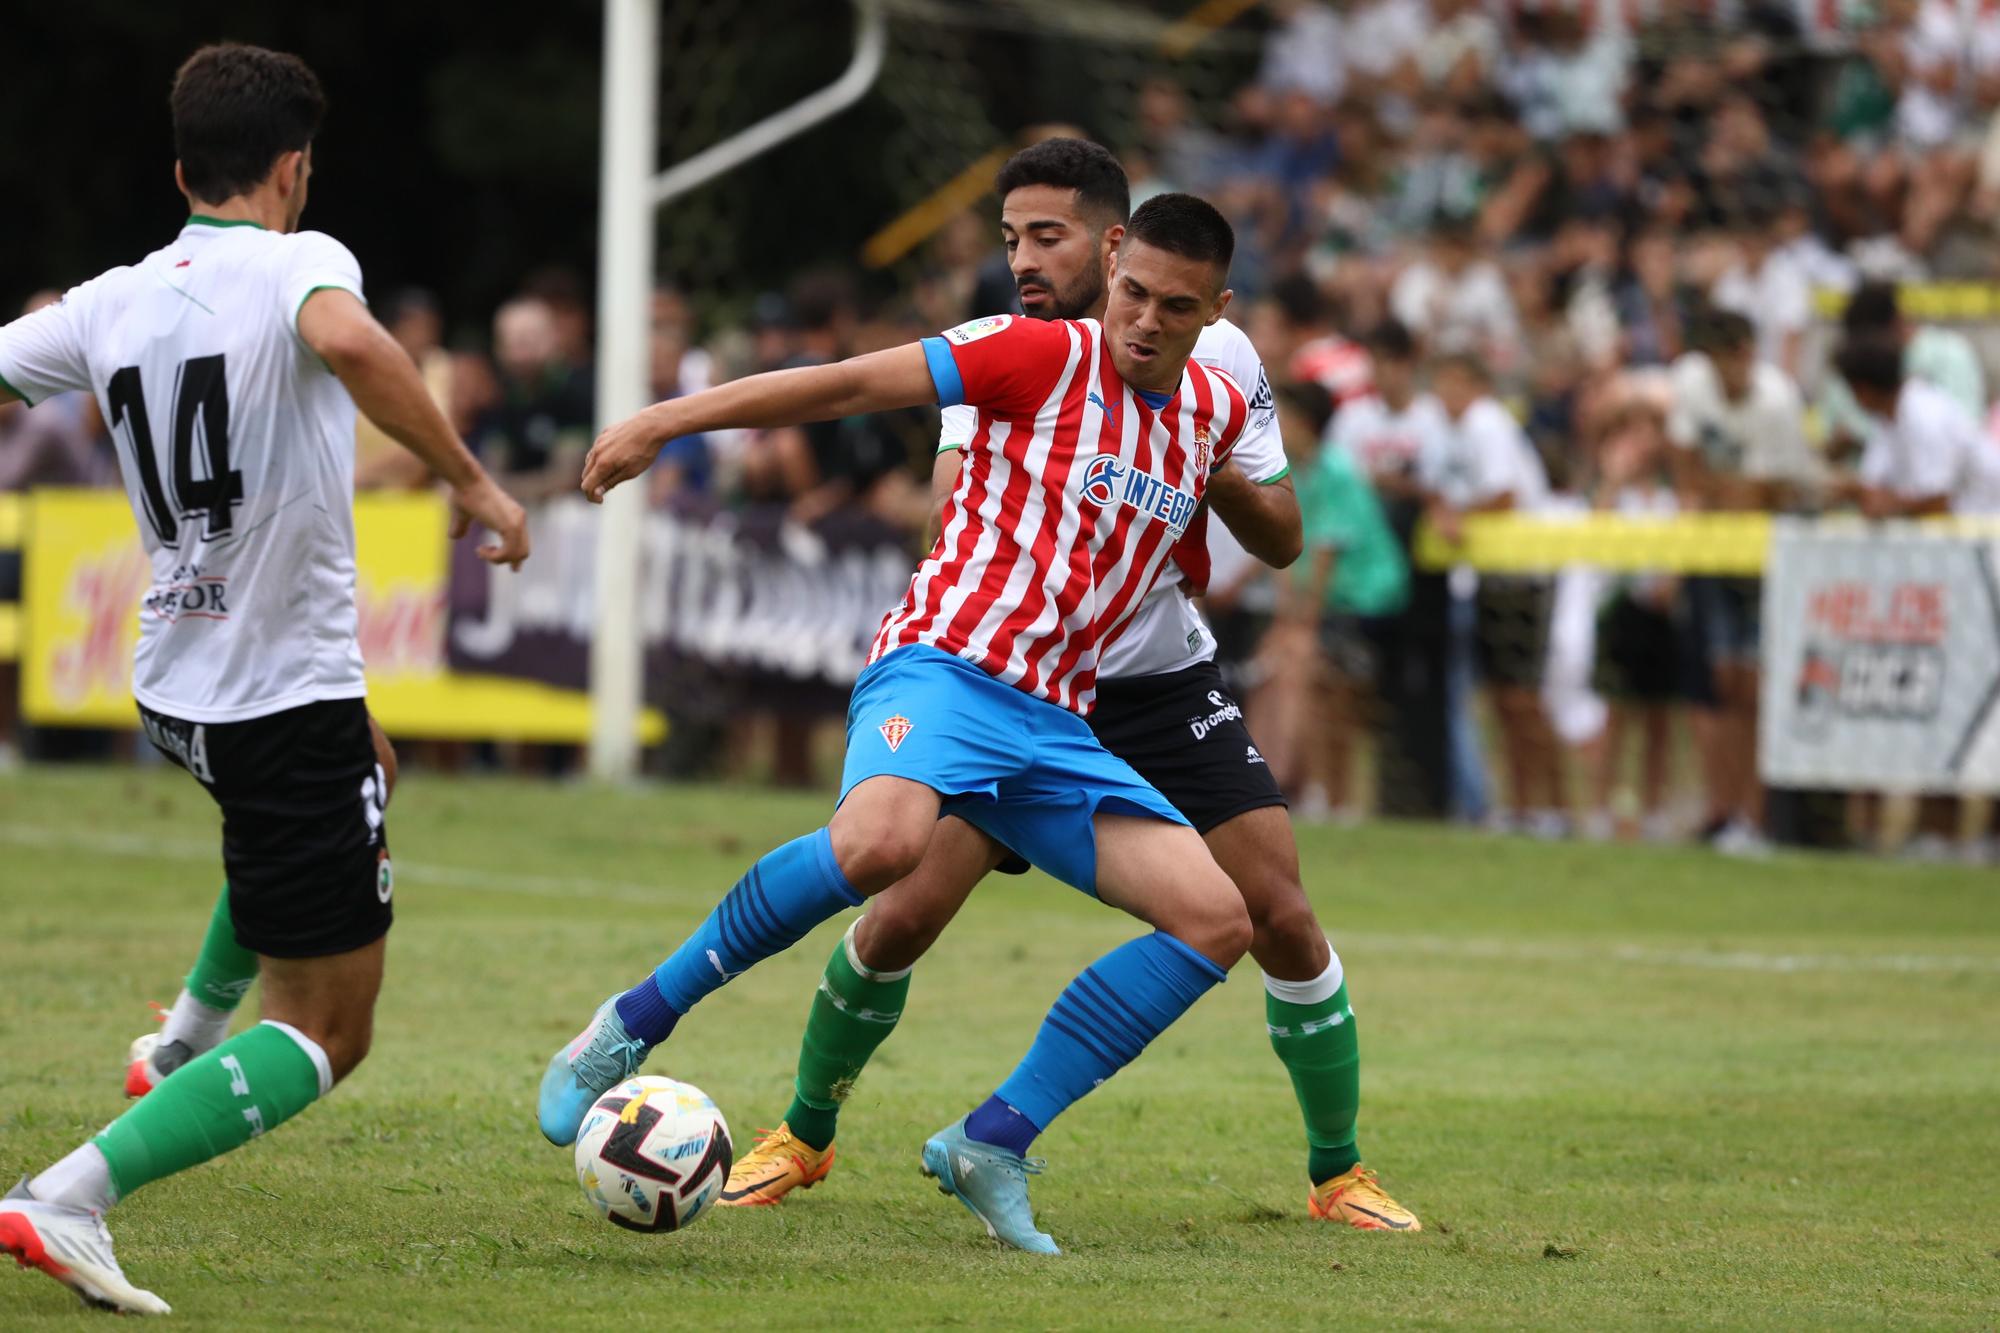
<point x="86" y="575"/>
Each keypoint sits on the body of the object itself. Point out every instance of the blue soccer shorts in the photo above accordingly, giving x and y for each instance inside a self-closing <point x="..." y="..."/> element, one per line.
<point x="1027" y="773"/>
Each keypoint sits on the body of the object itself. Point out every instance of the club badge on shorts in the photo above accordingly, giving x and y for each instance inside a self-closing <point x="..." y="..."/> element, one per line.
<point x="894" y="730"/>
<point x="385" y="876"/>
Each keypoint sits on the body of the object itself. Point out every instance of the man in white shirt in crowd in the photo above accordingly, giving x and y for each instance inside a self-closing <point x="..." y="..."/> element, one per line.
<point x="1737" y="425"/>
<point x="1384" y="431"/>
<point x="1456" y="300"/>
<point x="1768" y="287"/>
<point x="1941" y="357"/>
<point x="1477" y="460"/>
<point x="1925" y="454"/>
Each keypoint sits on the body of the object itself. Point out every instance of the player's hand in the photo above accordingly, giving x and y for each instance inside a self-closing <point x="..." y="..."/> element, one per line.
<point x="483" y="502"/>
<point x="625" y="449"/>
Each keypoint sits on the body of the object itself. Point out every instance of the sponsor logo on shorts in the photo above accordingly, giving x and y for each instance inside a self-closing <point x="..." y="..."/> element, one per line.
<point x="894" y="730"/>
<point x="1226" y="710"/>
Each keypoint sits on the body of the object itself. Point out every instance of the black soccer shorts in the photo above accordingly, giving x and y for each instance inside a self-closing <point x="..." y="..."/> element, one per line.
<point x="303" y="838"/>
<point x="1184" y="733"/>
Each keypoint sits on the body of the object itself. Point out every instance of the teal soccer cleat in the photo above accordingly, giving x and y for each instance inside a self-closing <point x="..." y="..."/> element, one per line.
<point x="991" y="1182"/>
<point x="595" y="1061"/>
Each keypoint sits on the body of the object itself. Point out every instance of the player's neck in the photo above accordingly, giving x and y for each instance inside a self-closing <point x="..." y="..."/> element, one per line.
<point x="259" y="209"/>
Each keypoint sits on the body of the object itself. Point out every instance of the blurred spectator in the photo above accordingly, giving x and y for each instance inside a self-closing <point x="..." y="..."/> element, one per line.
<point x="1184" y="155"/>
<point x="60" y="441"/>
<point x="1304" y="52"/>
<point x="1455" y="300"/>
<point x="1740" y="175"/>
<point x="1918" y="52"/>
<point x="1336" y="618"/>
<point x="1925" y="453"/>
<point x="1638" y="637"/>
<point x="676" y="368"/>
<point x="1384" y="39"/>
<point x="1936" y="356"/>
<point x="1305" y="342"/>
<point x="1566" y="79"/>
<point x="1460" y="51"/>
<point x="1478" y="461"/>
<point x="1768" y="287"/>
<point x="1737" y="427"/>
<point x="1437" y="177"/>
<point x="1652" y="303"/>
<point x="414" y="321"/>
<point x="536" y="432"/>
<point x="563" y="291"/>
<point x="1384" y="432"/>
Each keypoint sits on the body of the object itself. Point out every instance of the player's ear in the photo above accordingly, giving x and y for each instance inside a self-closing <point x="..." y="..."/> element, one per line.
<point x="181" y="183"/>
<point x="1113" y="234"/>
<point x="1221" y="304"/>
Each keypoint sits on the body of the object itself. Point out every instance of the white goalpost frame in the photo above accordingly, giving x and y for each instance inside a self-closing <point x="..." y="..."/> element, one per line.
<point x="630" y="194"/>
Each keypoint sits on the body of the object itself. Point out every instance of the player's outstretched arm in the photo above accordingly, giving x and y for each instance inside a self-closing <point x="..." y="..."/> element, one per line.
<point x="877" y="382"/>
<point x="1264" y="518"/>
<point x="385" y="385"/>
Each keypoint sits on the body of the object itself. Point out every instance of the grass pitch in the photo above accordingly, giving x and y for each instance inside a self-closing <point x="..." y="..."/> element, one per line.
<point x="1623" y="1087"/>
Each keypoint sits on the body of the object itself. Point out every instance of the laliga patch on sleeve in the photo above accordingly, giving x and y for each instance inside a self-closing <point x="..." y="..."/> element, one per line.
<point x="973" y="330"/>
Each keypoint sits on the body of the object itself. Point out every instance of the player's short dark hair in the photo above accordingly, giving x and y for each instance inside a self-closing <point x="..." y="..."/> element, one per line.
<point x="1873" y="306"/>
<point x="1313" y="403"/>
<point x="237" y="109"/>
<point x="1186" y="226"/>
<point x="1723" y="331"/>
<point x="1391" y="340"/>
<point x="1871" y="361"/>
<point x="1071" y="164"/>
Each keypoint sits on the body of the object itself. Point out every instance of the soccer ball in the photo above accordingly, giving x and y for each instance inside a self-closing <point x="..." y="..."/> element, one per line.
<point x="653" y="1154"/>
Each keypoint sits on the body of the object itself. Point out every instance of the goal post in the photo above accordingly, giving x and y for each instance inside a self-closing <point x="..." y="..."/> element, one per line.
<point x="631" y="191"/>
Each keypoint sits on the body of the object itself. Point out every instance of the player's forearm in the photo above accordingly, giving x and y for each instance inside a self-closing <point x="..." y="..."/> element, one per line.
<point x="877" y="382"/>
<point x="379" y="375"/>
<point x="1265" y="519"/>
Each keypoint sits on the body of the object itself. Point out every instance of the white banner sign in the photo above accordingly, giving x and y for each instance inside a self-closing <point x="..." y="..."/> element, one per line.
<point x="1881" y="660"/>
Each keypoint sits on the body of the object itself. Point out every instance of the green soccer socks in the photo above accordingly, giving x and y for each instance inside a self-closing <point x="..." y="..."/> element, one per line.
<point x="222" y="975"/>
<point x="251" y="1083"/>
<point x="1312" y="1030"/>
<point x="853" y="1012"/>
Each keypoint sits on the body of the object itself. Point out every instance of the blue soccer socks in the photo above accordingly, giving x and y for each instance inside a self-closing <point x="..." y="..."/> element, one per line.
<point x="772" y="907"/>
<point x="1098" y="1025"/>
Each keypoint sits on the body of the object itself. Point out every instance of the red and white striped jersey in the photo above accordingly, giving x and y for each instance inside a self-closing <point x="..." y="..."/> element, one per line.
<point x="1073" y="493"/>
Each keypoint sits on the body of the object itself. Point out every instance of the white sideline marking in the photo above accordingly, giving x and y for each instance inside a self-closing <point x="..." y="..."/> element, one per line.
<point x="1439" y="946"/>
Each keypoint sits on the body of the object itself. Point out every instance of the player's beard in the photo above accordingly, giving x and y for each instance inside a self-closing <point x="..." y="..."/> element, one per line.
<point x="1078" y="300"/>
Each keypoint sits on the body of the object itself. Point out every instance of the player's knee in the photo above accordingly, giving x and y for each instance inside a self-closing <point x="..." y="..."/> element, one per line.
<point x="343" y="1039"/>
<point x="875" y="852"/>
<point x="1216" y="926"/>
<point x="1282" y="918"/>
<point x="894" y="934"/>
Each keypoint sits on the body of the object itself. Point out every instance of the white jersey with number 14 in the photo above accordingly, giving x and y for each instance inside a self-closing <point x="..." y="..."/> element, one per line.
<point x="237" y="449"/>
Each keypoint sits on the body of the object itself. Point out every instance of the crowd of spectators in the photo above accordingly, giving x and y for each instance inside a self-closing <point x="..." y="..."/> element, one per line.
<point x="1495" y="256"/>
<point x="1554" y="257"/>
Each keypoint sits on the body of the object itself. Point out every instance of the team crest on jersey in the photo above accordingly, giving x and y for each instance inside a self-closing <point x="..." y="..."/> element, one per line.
<point x="894" y="730"/>
<point x="1108" y="481"/>
<point x="973" y="330"/>
<point x="1201" y="450"/>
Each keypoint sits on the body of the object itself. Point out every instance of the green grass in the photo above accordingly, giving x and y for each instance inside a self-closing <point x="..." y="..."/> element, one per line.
<point x="1623" y="1087"/>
